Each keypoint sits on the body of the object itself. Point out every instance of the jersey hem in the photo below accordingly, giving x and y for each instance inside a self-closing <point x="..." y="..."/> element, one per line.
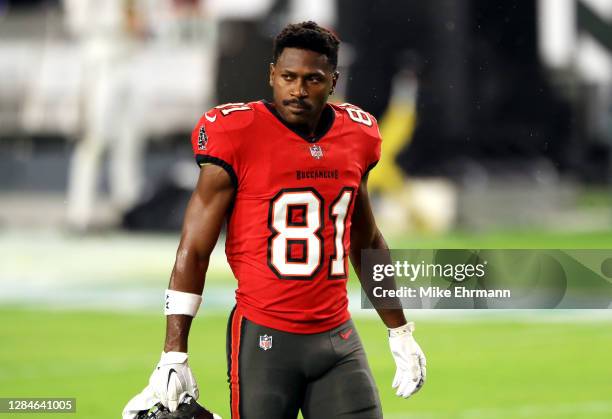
<point x="302" y="329"/>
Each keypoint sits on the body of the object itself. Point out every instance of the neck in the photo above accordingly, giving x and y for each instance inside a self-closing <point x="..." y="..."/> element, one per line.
<point x="310" y="127"/>
<point x="309" y="130"/>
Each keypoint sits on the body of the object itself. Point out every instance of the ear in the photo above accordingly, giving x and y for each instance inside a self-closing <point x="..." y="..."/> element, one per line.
<point x="335" y="77"/>
<point x="271" y="79"/>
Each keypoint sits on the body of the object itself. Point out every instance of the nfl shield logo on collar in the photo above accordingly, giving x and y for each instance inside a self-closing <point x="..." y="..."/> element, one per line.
<point x="316" y="151"/>
<point x="265" y="342"/>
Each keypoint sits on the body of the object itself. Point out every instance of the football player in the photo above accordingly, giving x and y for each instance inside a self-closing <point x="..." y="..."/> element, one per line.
<point x="290" y="178"/>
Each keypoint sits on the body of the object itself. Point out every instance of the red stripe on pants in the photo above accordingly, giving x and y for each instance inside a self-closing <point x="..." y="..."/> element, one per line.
<point x="234" y="373"/>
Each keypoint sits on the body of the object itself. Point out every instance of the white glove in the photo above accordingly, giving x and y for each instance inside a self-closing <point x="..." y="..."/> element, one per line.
<point x="409" y="359"/>
<point x="169" y="384"/>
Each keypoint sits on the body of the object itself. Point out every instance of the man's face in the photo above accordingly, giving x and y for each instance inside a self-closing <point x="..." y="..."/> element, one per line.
<point x="301" y="81"/>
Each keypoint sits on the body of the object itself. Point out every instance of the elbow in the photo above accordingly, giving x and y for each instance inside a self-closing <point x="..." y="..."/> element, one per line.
<point x="361" y="241"/>
<point x="373" y="240"/>
<point x="189" y="269"/>
<point x="189" y="255"/>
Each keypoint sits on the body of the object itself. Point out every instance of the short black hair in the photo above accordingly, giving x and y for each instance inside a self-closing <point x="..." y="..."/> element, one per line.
<point x="310" y="36"/>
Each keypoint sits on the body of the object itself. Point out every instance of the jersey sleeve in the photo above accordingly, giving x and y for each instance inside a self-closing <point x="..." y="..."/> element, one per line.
<point x="211" y="144"/>
<point x="366" y="127"/>
<point x="374" y="147"/>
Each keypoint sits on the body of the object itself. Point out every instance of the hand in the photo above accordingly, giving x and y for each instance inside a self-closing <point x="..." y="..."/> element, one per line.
<point x="169" y="384"/>
<point x="409" y="359"/>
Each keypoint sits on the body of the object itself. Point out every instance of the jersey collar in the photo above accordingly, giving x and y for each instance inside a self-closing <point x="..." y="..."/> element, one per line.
<point x="328" y="116"/>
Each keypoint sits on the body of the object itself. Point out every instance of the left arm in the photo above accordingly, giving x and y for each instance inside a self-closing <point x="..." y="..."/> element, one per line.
<point x="365" y="235"/>
<point x="408" y="356"/>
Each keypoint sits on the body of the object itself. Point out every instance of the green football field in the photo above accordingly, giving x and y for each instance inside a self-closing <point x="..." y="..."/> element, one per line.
<point x="483" y="365"/>
<point x="476" y="368"/>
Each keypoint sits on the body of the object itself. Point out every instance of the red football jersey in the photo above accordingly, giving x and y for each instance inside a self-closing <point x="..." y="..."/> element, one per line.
<point x="288" y="233"/>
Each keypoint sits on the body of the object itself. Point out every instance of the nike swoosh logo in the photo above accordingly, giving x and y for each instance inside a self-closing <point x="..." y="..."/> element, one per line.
<point x="346" y="335"/>
<point x="172" y="371"/>
<point x="210" y="118"/>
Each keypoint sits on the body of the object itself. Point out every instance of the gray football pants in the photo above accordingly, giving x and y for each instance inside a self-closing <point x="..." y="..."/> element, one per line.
<point x="274" y="374"/>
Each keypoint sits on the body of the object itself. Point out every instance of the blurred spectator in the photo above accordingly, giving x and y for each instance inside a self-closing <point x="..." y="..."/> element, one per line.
<point x="108" y="32"/>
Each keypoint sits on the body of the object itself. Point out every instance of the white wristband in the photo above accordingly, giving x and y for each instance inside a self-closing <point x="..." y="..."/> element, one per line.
<point x="178" y="302"/>
<point x="408" y="328"/>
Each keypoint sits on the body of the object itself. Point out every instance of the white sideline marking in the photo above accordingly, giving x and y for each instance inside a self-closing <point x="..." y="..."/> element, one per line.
<point x="220" y="298"/>
<point x="128" y="272"/>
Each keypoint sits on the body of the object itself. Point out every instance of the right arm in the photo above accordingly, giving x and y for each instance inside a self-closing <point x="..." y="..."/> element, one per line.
<point x="204" y="218"/>
<point x="172" y="379"/>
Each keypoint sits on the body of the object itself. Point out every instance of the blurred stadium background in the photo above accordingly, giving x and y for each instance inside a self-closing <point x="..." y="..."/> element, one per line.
<point x="497" y="124"/>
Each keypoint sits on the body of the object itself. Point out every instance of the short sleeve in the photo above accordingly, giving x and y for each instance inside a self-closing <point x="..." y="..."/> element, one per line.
<point x="374" y="144"/>
<point x="373" y="154"/>
<point x="365" y="127"/>
<point x="212" y="145"/>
